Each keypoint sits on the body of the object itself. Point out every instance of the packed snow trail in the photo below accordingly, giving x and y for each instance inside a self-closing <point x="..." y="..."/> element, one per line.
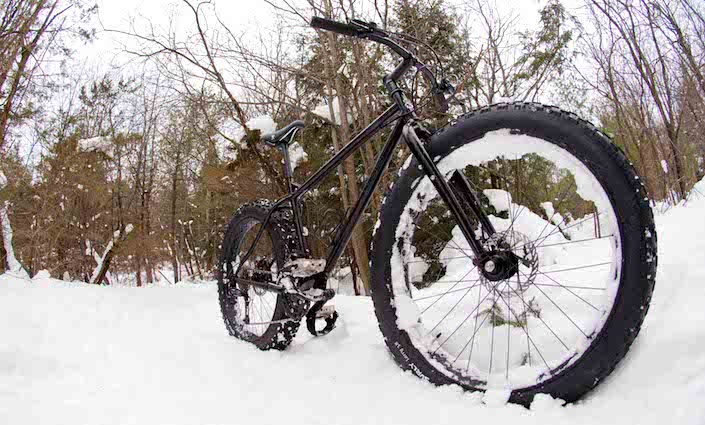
<point x="72" y="353"/>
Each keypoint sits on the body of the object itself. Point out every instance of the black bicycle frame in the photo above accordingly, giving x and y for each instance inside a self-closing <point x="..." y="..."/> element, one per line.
<point x="293" y="199"/>
<point x="403" y="116"/>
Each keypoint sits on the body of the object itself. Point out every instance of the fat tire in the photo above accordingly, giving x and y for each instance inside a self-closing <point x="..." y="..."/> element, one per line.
<point x="630" y="203"/>
<point x="281" y="230"/>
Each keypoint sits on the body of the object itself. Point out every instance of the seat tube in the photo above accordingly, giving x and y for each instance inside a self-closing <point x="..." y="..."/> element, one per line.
<point x="294" y="202"/>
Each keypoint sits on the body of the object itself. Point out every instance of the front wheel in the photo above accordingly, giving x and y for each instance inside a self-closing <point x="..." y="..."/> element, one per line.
<point x="576" y="247"/>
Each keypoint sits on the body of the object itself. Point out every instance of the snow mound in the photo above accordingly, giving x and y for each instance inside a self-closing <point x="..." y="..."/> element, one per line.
<point x="501" y="200"/>
<point x="42" y="274"/>
<point x="323" y="111"/>
<point x="96" y="144"/>
<point x="297" y="155"/>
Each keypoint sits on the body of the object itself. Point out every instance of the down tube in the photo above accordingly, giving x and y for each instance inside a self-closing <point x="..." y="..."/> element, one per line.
<point x="346" y="230"/>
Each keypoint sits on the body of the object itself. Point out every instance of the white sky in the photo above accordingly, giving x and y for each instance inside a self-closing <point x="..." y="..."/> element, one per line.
<point x="237" y="14"/>
<point x="104" y="54"/>
<point x="118" y="14"/>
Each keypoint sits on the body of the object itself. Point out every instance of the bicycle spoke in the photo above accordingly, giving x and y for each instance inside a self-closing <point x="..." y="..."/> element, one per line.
<point x="466" y="275"/>
<point x="472" y="338"/>
<point x="431" y="279"/>
<point x="577" y="268"/>
<point x="526" y="331"/>
<point x="271" y="310"/>
<point x="463" y="322"/>
<point x="509" y="332"/>
<point x="455" y="281"/>
<point x="557" y="229"/>
<point x="561" y="310"/>
<point x="578" y="241"/>
<point x="449" y="292"/>
<point x="474" y="331"/>
<point x="449" y="311"/>
<point x="568" y="286"/>
<point x="527" y="308"/>
<point x="513" y="217"/>
<point x="567" y="289"/>
<point x="521" y="293"/>
<point x="445" y="259"/>
<point x="492" y="340"/>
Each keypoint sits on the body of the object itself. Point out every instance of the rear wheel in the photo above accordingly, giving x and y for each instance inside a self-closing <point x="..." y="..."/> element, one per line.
<point x="572" y="265"/>
<point x="251" y="313"/>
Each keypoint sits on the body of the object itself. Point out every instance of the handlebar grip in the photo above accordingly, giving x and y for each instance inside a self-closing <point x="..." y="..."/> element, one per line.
<point x="335" y="26"/>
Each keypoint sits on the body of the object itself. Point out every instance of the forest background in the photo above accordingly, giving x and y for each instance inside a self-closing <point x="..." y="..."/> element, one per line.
<point x="124" y="167"/>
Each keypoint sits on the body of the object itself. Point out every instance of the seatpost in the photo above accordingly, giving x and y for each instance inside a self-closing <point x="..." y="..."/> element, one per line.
<point x="288" y="174"/>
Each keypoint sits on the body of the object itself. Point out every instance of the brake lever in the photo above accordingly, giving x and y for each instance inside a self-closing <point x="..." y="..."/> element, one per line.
<point x="360" y="22"/>
<point x="446" y="87"/>
<point x="367" y="27"/>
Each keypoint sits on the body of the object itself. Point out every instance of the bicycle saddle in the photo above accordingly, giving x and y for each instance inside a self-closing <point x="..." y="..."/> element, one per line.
<point x="283" y="135"/>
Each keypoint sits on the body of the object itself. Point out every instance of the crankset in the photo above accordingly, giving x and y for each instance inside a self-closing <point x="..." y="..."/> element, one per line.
<point x="321" y="312"/>
<point x="310" y="281"/>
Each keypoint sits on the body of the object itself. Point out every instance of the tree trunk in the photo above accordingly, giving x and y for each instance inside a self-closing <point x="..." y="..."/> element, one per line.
<point x="358" y="239"/>
<point x="101" y="270"/>
<point x="13" y="265"/>
<point x="174" y="250"/>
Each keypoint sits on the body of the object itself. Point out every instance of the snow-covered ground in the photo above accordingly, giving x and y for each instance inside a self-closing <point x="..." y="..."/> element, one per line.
<point x="71" y="353"/>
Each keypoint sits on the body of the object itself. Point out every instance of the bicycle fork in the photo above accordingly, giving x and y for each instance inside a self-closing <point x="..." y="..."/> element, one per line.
<point x="456" y="193"/>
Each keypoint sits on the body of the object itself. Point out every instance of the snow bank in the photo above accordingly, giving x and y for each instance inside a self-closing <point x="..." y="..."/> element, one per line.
<point x="323" y="111"/>
<point x="263" y="123"/>
<point x="96" y="144"/>
<point x="501" y="200"/>
<point x="76" y="353"/>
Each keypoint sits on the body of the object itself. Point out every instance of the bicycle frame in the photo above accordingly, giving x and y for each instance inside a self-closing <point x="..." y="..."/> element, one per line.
<point x="400" y="113"/>
<point x="293" y="199"/>
<point x="401" y="130"/>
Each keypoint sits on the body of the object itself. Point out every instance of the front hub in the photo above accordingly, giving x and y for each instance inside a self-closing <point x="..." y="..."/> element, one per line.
<point x="497" y="265"/>
<point x="509" y="257"/>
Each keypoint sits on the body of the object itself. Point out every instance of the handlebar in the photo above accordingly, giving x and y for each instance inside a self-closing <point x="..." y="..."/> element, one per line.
<point x="361" y="29"/>
<point x="370" y="31"/>
<point x="335" y="26"/>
